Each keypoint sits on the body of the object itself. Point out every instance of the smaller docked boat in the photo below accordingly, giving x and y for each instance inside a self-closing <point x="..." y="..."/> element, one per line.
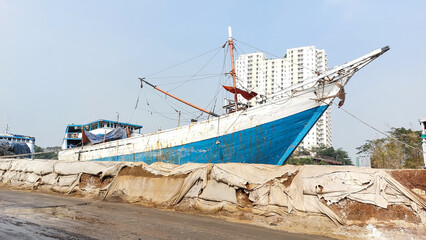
<point x="12" y="144"/>
<point x="98" y="131"/>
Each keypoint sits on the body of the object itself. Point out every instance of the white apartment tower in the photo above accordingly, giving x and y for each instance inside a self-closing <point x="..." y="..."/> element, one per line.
<point x="267" y="76"/>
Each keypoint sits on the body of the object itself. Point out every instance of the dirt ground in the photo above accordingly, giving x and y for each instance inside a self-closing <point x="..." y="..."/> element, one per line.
<point x="413" y="179"/>
<point x="35" y="215"/>
<point x="360" y="213"/>
<point x="358" y="225"/>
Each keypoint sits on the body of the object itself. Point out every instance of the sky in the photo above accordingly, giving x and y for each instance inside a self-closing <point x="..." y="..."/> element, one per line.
<point x="64" y="62"/>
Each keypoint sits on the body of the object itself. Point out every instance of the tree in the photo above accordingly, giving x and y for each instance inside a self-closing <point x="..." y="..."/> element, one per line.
<point x="301" y="151"/>
<point x="402" y="149"/>
<point x="47" y="155"/>
<point x="301" y="161"/>
<point x="321" y="151"/>
<point x="338" y="154"/>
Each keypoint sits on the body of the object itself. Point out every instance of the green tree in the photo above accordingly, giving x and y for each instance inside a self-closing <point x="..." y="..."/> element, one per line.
<point x="338" y="154"/>
<point x="321" y="151"/>
<point x="301" y="161"/>
<point x="47" y="155"/>
<point x="391" y="152"/>
<point x="343" y="156"/>
<point x="301" y="151"/>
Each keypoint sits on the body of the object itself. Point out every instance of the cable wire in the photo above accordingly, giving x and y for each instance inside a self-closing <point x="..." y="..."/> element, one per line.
<point x="136" y="105"/>
<point x="183" y="82"/>
<point x="273" y="55"/>
<point x="197" y="71"/>
<point x="377" y="130"/>
<point x="165" y="69"/>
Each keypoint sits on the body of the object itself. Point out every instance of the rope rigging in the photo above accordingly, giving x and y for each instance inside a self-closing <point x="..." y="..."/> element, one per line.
<point x="190" y="80"/>
<point x="152" y="110"/>
<point x="313" y="71"/>
<point x="165" y="69"/>
<point x="210" y="74"/>
<point x="267" y="77"/>
<point x="197" y="76"/>
<point x="377" y="130"/>
<point x="221" y="81"/>
<point x="194" y="77"/>
<point x="197" y="71"/>
<point x="136" y="105"/>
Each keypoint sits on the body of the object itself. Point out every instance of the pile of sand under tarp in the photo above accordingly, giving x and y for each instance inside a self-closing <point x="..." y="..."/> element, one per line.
<point x="346" y="195"/>
<point x="295" y="188"/>
<point x="52" y="174"/>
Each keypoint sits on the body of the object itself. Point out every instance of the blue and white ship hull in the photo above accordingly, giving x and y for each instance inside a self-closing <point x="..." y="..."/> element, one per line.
<point x="267" y="134"/>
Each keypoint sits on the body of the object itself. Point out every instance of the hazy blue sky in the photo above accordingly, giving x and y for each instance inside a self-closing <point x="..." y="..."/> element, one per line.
<point x="67" y="62"/>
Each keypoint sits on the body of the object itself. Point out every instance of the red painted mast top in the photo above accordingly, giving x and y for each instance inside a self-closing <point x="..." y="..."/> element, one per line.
<point x="233" y="74"/>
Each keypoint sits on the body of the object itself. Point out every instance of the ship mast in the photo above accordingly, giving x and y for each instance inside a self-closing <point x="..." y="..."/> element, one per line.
<point x="233" y="74"/>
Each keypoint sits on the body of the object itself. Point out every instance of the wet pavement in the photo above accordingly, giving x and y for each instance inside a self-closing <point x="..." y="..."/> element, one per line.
<point x="34" y="215"/>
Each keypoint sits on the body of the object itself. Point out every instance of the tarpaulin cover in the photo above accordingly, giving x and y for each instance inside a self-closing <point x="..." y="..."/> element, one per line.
<point x="263" y="188"/>
<point x="297" y="188"/>
<point x="17" y="148"/>
<point x="245" y="94"/>
<point x="50" y="174"/>
<point x="118" y="133"/>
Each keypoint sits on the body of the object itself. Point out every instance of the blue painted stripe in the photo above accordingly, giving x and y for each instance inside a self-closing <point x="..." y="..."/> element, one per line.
<point x="270" y="143"/>
<point x="318" y="113"/>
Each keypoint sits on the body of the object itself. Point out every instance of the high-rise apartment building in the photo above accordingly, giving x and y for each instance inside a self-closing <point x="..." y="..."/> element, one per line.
<point x="267" y="76"/>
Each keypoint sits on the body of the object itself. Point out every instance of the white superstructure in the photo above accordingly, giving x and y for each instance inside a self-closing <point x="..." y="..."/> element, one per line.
<point x="267" y="76"/>
<point x="29" y="141"/>
<point x="74" y="132"/>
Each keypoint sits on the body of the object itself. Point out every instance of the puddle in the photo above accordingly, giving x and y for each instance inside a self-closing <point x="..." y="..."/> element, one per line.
<point x="16" y="228"/>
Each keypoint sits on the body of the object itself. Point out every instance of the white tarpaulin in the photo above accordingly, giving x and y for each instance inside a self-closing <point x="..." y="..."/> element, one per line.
<point x="292" y="188"/>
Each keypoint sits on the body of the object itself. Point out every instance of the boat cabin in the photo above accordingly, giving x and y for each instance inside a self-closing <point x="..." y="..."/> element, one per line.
<point x="73" y="132"/>
<point x="21" y="139"/>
